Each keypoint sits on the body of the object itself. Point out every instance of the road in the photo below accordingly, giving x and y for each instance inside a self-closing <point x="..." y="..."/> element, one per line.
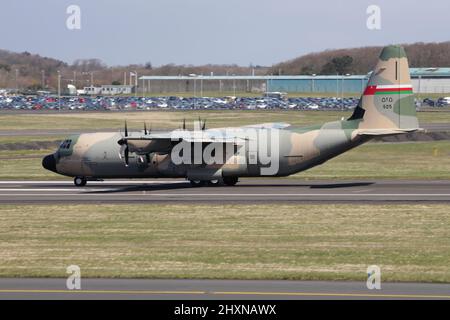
<point x="45" y="288"/>
<point x="260" y="190"/>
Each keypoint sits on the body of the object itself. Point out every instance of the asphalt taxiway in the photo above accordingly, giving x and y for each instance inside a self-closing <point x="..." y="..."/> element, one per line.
<point x="45" y="288"/>
<point x="248" y="190"/>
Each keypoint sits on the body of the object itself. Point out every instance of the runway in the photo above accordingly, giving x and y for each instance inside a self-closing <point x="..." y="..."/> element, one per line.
<point x="247" y="191"/>
<point x="45" y="288"/>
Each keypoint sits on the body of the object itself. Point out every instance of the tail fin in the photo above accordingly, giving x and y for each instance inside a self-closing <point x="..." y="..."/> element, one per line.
<point x="388" y="100"/>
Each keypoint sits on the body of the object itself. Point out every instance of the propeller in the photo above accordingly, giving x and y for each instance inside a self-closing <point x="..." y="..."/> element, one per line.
<point x="184" y="123"/>
<point x="201" y="124"/>
<point x="145" y="128"/>
<point x="124" y="146"/>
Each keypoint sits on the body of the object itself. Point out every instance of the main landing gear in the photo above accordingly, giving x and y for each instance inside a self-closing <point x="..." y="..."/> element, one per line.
<point x="229" y="181"/>
<point x="80" y="181"/>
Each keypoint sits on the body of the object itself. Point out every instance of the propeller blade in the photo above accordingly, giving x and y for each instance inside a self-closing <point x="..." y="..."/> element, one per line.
<point x="184" y="123"/>
<point x="126" y="156"/>
<point x="126" y="129"/>
<point x="204" y="125"/>
<point x="145" y="128"/>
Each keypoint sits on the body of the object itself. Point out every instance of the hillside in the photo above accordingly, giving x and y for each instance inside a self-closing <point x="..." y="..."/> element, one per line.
<point x="29" y="68"/>
<point x="33" y="69"/>
<point x="361" y="60"/>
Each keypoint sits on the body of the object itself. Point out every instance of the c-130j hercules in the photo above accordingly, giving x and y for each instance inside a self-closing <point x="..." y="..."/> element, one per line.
<point x="213" y="156"/>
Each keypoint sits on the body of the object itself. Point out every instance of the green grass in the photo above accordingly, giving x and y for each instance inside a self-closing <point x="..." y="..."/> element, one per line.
<point x="321" y="242"/>
<point x="27" y="138"/>
<point x="92" y="121"/>
<point x="25" y="165"/>
<point x="410" y="160"/>
<point x="160" y="119"/>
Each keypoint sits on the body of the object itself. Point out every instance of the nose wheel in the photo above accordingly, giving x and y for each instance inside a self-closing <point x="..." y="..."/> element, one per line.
<point x="80" y="181"/>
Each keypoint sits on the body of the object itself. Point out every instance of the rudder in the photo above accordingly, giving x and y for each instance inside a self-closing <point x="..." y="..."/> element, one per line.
<point x="388" y="100"/>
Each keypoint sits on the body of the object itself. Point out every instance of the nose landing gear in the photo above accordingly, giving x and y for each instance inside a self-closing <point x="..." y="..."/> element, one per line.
<point x="80" y="181"/>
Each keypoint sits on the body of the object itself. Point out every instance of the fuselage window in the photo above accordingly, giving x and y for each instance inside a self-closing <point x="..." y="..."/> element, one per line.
<point x="65" y="144"/>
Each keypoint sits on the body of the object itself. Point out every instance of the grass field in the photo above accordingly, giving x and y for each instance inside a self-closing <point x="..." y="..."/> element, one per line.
<point x="405" y="160"/>
<point x="92" y="121"/>
<point x="411" y="160"/>
<point x="408" y="242"/>
<point x="159" y="119"/>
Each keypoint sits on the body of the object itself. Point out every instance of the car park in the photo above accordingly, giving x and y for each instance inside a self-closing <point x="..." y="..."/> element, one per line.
<point x="70" y="103"/>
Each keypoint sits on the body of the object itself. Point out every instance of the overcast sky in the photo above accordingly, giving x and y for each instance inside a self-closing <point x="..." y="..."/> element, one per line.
<point x="261" y="32"/>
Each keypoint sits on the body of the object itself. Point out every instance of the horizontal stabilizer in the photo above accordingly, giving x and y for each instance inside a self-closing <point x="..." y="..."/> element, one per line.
<point x="384" y="132"/>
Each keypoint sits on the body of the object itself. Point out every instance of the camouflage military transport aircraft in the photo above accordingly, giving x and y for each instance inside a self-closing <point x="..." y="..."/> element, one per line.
<point x="213" y="156"/>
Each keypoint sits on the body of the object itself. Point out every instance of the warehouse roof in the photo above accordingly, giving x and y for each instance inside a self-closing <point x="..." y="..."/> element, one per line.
<point x="430" y="72"/>
<point x="415" y="73"/>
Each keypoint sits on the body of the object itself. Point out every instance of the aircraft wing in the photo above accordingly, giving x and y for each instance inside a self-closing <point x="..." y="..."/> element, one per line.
<point x="163" y="142"/>
<point x="269" y="125"/>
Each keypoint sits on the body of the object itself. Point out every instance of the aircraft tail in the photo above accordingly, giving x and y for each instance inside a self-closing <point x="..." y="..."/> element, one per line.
<point x="387" y="104"/>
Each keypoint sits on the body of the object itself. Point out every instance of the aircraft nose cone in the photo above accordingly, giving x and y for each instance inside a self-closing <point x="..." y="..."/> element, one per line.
<point x="49" y="163"/>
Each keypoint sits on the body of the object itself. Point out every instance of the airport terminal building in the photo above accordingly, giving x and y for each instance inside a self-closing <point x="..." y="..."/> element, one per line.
<point x="424" y="80"/>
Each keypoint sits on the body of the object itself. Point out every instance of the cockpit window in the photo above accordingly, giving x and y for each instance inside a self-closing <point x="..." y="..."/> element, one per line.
<point x="65" y="144"/>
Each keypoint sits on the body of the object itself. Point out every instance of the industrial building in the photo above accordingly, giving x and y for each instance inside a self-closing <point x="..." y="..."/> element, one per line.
<point x="109" y="90"/>
<point x="424" y="80"/>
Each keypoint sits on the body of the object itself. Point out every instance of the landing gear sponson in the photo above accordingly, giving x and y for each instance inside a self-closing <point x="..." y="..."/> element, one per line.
<point x="229" y="181"/>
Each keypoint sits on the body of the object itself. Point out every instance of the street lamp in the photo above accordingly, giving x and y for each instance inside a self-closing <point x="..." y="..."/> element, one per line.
<point x="136" y="83"/>
<point x="342" y="90"/>
<point x="43" y="79"/>
<point x="17" y="83"/>
<point x="193" y="75"/>
<point x="59" y="90"/>
<point x="312" y="82"/>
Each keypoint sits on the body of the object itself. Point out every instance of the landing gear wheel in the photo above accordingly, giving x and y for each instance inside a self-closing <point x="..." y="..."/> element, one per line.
<point x="230" y="181"/>
<point x="80" y="181"/>
<point x="214" y="183"/>
<point x="197" y="183"/>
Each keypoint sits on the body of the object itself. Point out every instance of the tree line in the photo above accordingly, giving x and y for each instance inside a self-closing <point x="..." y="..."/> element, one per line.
<point x="361" y="60"/>
<point x="26" y="70"/>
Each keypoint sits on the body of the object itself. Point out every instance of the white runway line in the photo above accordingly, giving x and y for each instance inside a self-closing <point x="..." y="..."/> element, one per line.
<point x="143" y="193"/>
<point x="96" y="182"/>
<point x="54" y="189"/>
